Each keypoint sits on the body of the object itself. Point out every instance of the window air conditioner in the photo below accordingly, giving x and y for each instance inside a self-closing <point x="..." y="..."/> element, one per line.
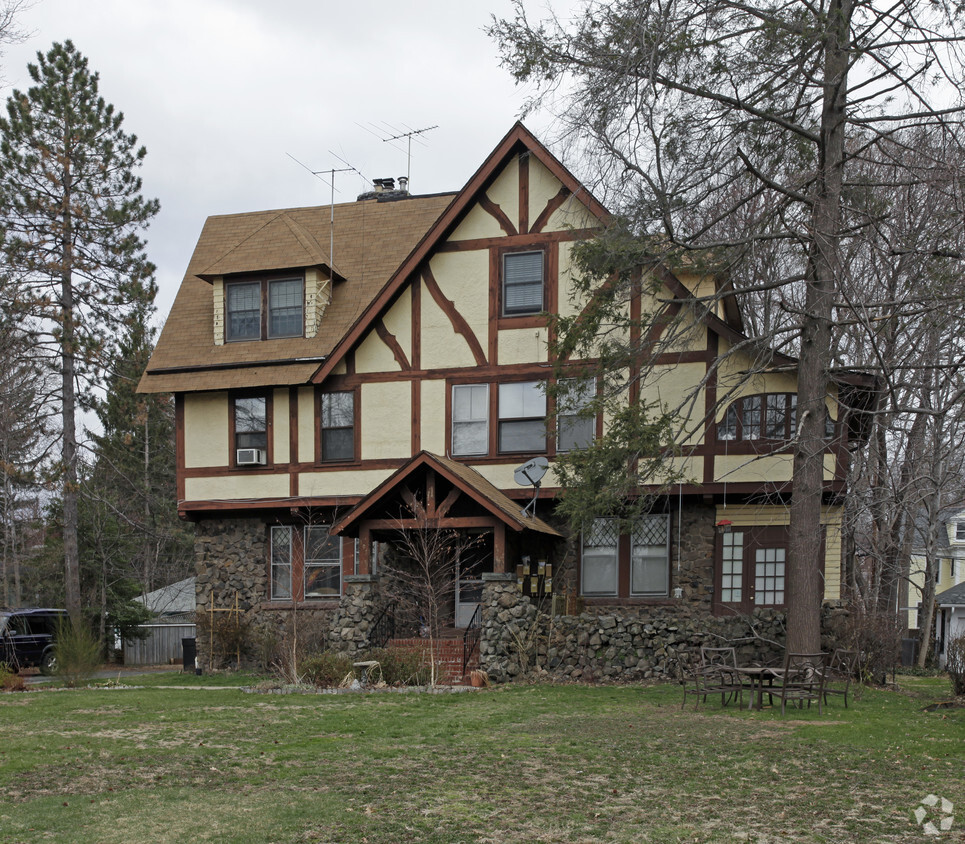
<point x="250" y="457"/>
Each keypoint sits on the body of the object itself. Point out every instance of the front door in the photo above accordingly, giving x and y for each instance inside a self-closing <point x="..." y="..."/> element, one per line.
<point x="473" y="561"/>
<point x="751" y="568"/>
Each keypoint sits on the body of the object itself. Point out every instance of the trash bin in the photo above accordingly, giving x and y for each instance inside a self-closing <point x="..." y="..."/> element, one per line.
<point x="189" y="650"/>
<point x="909" y="652"/>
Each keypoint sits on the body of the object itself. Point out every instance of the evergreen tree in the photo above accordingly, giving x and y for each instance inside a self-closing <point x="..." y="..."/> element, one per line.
<point x="72" y="216"/>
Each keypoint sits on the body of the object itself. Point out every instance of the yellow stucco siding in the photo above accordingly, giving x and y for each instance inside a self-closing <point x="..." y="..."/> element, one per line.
<point x="686" y="333"/>
<point x="504" y="191"/>
<point x="690" y="469"/>
<point x="280" y="428"/>
<point x="675" y="387"/>
<point x="746" y="515"/>
<point x="373" y="354"/>
<point x="357" y="482"/>
<point x="543" y="186"/>
<point x="567" y="271"/>
<point x="235" y="487"/>
<point x="523" y="345"/>
<point x="306" y="424"/>
<point x="205" y="429"/>
<point x="433" y="416"/>
<point x="749" y="468"/>
<point x="386" y="413"/>
<point x="463" y="278"/>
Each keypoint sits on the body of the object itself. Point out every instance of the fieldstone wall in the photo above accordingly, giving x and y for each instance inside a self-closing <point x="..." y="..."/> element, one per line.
<point x="358" y="611"/>
<point x="624" y="643"/>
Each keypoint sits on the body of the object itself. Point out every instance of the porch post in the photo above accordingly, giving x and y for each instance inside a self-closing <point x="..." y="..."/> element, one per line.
<point x="365" y="549"/>
<point x="499" y="549"/>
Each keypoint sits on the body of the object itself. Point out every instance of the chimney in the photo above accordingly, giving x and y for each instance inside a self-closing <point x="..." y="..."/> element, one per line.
<point x="404" y="184"/>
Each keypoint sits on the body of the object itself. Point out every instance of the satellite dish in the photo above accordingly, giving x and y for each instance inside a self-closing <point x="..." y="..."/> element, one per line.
<point x="531" y="472"/>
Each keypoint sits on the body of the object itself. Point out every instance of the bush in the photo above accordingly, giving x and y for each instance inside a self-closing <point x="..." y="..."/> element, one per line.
<point x="77" y="653"/>
<point x="10" y="680"/>
<point x="226" y="634"/>
<point x="955" y="664"/>
<point x="325" y="670"/>
<point x="877" y="638"/>
<point x="401" y="668"/>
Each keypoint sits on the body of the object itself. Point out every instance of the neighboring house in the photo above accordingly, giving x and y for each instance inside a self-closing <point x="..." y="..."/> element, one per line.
<point x="382" y="369"/>
<point x="173" y="608"/>
<point x="950" y="557"/>
<point x="950" y="618"/>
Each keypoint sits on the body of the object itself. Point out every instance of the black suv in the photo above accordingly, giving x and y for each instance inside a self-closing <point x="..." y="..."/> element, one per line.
<point x="27" y="637"/>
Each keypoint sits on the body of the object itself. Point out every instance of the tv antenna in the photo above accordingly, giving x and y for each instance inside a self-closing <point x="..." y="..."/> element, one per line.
<point x="331" y="171"/>
<point x="408" y="136"/>
<point x="531" y="473"/>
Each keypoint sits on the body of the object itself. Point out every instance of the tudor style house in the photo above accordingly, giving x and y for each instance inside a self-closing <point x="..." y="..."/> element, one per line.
<point x="344" y="374"/>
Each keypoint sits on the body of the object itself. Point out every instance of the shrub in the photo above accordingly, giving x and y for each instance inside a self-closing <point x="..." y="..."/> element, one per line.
<point x="77" y="653"/>
<point x="955" y="664"/>
<point x="226" y="634"/>
<point x="401" y="668"/>
<point x="877" y="638"/>
<point x="326" y="669"/>
<point x="10" y="680"/>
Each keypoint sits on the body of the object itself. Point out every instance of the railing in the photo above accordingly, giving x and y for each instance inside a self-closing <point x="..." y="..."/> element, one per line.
<point x="384" y="627"/>
<point x="470" y="639"/>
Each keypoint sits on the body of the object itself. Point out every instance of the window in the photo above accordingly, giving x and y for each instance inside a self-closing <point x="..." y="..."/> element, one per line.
<point x="522" y="285"/>
<point x="338" y="426"/>
<point x="282" y="300"/>
<point x="960" y="531"/>
<point x="650" y="557"/>
<point x="522" y="417"/>
<point x="281" y="563"/>
<point x="323" y="563"/>
<point x="600" y="557"/>
<point x="574" y="430"/>
<point x="470" y="419"/>
<point x="771" y="416"/>
<point x="249" y="417"/>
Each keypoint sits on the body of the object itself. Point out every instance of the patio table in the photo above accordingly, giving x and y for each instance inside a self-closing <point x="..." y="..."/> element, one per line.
<point x="757" y="675"/>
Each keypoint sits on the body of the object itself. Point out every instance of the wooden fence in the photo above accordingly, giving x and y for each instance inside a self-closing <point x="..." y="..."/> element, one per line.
<point x="162" y="644"/>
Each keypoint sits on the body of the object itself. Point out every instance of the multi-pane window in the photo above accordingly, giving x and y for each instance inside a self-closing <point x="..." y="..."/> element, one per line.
<point x="732" y="568"/>
<point x="281" y="562"/>
<point x="282" y="300"/>
<point x="960" y="531"/>
<point x="251" y="422"/>
<point x="771" y="416"/>
<point x="323" y="563"/>
<point x="650" y="556"/>
<point x="769" y="576"/>
<point x="470" y="419"/>
<point x="600" y="561"/>
<point x="522" y="417"/>
<point x="338" y="425"/>
<point x="574" y="428"/>
<point x="522" y="283"/>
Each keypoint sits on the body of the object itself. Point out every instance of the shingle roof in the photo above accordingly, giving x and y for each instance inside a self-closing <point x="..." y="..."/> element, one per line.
<point x="371" y="239"/>
<point x="955" y="595"/>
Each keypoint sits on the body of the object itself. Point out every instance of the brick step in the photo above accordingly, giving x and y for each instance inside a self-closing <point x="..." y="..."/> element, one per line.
<point x="448" y="657"/>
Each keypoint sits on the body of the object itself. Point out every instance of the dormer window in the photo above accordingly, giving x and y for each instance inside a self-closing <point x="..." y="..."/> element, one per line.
<point x="960" y="531"/>
<point x="771" y="416"/>
<point x="268" y="308"/>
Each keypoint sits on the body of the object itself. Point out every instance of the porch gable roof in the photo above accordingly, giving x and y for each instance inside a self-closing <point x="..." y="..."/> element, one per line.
<point x="464" y="478"/>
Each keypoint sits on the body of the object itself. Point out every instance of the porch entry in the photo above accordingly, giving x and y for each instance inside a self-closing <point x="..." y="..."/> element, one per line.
<point x="470" y="567"/>
<point x="752" y="568"/>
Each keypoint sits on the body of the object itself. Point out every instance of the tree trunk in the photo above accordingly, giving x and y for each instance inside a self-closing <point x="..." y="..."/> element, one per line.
<point x="804" y="582"/>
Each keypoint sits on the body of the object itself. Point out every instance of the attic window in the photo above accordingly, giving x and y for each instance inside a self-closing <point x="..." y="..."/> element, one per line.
<point x="265" y="308"/>
<point x="960" y="531"/>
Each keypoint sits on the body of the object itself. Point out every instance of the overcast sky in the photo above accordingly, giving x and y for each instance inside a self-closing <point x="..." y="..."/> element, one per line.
<point x="222" y="92"/>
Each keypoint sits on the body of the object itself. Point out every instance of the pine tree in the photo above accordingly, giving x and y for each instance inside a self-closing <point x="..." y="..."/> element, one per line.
<point x="72" y="216"/>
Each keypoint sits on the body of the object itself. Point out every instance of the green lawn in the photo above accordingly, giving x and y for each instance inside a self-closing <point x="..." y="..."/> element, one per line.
<point x="514" y="764"/>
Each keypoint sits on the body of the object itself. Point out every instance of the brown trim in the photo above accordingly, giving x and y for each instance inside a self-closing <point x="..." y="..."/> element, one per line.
<point x="292" y="440"/>
<point x="497" y="214"/>
<point x="268" y="394"/>
<point x="179" y="445"/>
<point x="494" y="272"/>
<point x="350" y="362"/>
<point x="203" y="505"/>
<point x="430" y="523"/>
<point x="636" y="314"/>
<point x="523" y="192"/>
<point x="552" y="205"/>
<point x="390" y="340"/>
<point x="458" y="322"/>
<point x="481" y="243"/>
<point x="415" y="313"/>
<point x="416" y="420"/>
<point x="338" y="386"/>
<point x="710" y="404"/>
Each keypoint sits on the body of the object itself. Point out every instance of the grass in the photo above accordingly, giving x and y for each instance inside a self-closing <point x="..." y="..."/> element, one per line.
<point x="514" y="764"/>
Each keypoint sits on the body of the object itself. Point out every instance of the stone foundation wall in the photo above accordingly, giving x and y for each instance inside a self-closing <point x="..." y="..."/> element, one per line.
<point x="625" y="643"/>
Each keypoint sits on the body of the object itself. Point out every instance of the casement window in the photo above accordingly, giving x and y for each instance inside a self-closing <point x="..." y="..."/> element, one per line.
<point x="650" y="557"/>
<point x="522" y="418"/>
<point x="337" y="410"/>
<point x="574" y="429"/>
<point x="771" y="416"/>
<point x="305" y="564"/>
<point x="600" y="560"/>
<point x="281" y="562"/>
<point x="264" y="309"/>
<point x="522" y="282"/>
<point x="323" y="563"/>
<point x="470" y="419"/>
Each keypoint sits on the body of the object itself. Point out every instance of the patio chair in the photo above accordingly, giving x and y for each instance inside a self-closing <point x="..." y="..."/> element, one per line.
<point x="702" y="680"/>
<point x="803" y="678"/>
<point x="841" y="672"/>
<point x="724" y="660"/>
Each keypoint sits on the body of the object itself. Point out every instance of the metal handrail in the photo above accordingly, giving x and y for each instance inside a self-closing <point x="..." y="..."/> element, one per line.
<point x="470" y="639"/>
<point x="384" y="627"/>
